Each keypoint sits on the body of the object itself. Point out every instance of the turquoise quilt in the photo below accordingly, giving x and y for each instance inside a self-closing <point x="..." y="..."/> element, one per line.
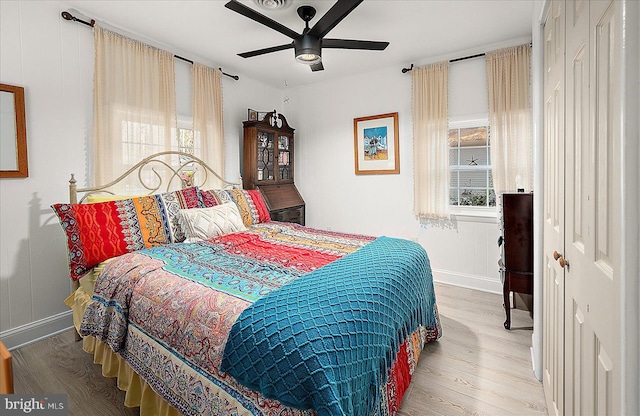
<point x="326" y="340"/>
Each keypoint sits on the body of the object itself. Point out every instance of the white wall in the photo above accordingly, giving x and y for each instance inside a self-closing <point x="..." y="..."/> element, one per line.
<point x="468" y="96"/>
<point x="462" y="252"/>
<point x="53" y="60"/>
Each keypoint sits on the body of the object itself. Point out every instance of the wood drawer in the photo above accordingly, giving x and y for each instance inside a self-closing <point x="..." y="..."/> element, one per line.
<point x="295" y="215"/>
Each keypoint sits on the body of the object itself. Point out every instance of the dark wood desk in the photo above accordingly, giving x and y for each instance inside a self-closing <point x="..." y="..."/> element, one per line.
<point x="284" y="202"/>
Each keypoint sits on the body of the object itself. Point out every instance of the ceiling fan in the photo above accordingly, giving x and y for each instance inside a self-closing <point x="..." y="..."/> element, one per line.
<point x="308" y="44"/>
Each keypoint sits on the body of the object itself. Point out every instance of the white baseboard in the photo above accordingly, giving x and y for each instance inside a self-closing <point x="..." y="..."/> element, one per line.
<point x="35" y="331"/>
<point x="468" y="280"/>
<point x="533" y="364"/>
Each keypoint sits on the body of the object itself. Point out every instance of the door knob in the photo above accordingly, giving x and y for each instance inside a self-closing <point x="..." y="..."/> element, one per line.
<point x="563" y="262"/>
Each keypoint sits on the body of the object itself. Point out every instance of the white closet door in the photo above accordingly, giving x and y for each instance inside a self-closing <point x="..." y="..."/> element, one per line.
<point x="592" y="207"/>
<point x="582" y="191"/>
<point x="553" y="205"/>
<point x="579" y="209"/>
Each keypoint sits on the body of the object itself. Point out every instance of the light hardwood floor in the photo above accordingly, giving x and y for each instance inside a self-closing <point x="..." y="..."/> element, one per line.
<point x="477" y="367"/>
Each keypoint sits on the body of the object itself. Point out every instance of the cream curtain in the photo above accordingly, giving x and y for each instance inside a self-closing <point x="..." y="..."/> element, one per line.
<point x="430" y="141"/>
<point x="508" y="82"/>
<point x="134" y="107"/>
<point x="207" y="117"/>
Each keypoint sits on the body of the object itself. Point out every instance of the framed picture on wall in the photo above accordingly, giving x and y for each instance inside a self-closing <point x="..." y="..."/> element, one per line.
<point x="252" y="115"/>
<point x="375" y="143"/>
<point x="13" y="134"/>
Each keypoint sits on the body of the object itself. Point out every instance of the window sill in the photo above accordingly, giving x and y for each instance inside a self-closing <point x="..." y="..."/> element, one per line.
<point x="474" y="214"/>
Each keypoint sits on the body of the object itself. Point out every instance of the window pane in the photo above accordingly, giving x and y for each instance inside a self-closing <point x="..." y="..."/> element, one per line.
<point x="453" y="196"/>
<point x="185" y="140"/>
<point x="492" y="197"/>
<point x="473" y="156"/>
<point x="473" y="197"/>
<point x="474" y="136"/>
<point x="453" y="137"/>
<point x="453" y="156"/>
<point x="185" y="143"/>
<point x="454" y="179"/>
<point x="473" y="179"/>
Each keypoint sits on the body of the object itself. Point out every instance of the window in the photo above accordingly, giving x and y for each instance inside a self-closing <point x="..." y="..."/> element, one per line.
<point x="188" y="142"/>
<point x="140" y="139"/>
<point x="470" y="164"/>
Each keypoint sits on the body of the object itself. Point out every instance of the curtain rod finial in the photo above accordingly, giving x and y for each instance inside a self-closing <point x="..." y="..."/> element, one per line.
<point x="405" y="70"/>
<point x="229" y="75"/>
<point x="68" y="16"/>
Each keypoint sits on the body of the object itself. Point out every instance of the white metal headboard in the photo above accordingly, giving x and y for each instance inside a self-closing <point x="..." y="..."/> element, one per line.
<point x="187" y="161"/>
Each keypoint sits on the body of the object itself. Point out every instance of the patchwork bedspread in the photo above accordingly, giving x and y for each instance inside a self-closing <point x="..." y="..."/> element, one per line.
<point x="168" y="311"/>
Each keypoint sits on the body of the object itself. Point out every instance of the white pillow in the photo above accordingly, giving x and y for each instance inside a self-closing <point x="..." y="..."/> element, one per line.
<point x="203" y="223"/>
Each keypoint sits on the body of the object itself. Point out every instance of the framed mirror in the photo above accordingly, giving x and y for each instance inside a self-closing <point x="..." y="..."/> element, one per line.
<point x="13" y="133"/>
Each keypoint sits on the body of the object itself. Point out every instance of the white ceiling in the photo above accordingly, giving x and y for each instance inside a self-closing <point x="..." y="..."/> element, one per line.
<point x="417" y="30"/>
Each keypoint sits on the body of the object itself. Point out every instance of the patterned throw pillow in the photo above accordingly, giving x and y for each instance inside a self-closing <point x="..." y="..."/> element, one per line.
<point x="251" y="205"/>
<point x="96" y="232"/>
<point x="209" y="198"/>
<point x="205" y="223"/>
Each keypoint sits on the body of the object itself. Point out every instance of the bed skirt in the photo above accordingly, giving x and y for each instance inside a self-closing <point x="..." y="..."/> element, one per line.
<point x="138" y="392"/>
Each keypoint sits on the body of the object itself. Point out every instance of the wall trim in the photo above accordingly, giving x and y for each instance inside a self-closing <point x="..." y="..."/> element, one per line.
<point x="468" y="281"/>
<point x="537" y="87"/>
<point x="37" y="330"/>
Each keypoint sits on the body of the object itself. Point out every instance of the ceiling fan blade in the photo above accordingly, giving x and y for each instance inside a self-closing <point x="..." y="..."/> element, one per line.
<point x="260" y="18"/>
<point x="339" y="11"/>
<point x="266" y="50"/>
<point x="317" y="67"/>
<point x="354" y="44"/>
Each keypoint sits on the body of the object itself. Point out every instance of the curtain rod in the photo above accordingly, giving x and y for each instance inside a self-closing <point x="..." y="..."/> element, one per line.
<point x="405" y="70"/>
<point x="68" y="16"/>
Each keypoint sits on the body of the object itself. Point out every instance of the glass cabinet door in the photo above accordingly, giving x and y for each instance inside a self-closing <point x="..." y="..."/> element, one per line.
<point x="265" y="163"/>
<point x="285" y="160"/>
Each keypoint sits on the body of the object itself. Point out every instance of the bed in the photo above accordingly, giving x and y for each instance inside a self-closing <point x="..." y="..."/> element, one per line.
<point x="200" y="305"/>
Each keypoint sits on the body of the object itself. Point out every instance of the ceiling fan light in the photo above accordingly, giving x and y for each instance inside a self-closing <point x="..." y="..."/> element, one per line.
<point x="308" y="58"/>
<point x="307" y="49"/>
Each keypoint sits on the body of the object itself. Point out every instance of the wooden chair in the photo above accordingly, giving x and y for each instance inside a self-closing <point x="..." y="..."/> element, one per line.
<point x="6" y="371"/>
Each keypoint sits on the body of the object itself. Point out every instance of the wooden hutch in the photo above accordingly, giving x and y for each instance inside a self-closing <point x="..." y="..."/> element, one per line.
<point x="268" y="157"/>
